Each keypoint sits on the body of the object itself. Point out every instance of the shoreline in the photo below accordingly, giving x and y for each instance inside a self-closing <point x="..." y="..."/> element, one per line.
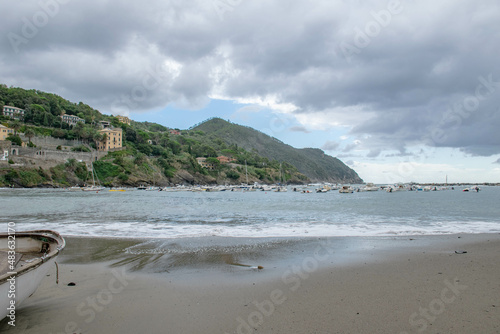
<point x="395" y="285"/>
<point x="236" y="184"/>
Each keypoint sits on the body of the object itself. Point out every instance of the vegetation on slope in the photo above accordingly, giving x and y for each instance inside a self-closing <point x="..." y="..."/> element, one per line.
<point x="313" y="163"/>
<point x="155" y="156"/>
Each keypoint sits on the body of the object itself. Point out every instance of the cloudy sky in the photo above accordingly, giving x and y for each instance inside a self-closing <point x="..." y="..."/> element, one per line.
<point x="399" y="90"/>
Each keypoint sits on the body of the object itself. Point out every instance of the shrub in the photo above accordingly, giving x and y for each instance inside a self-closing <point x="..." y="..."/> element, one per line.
<point x="11" y="176"/>
<point x="106" y="169"/>
<point x="15" y="139"/>
<point x="169" y="172"/>
<point x="233" y="175"/>
<point x="80" y="148"/>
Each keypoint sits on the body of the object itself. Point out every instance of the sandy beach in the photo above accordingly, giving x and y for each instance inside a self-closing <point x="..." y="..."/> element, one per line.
<point x="394" y="285"/>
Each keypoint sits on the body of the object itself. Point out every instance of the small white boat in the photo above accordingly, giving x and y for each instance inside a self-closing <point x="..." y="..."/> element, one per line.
<point x="25" y="258"/>
<point x="93" y="187"/>
<point x="370" y="187"/>
<point x="346" y="190"/>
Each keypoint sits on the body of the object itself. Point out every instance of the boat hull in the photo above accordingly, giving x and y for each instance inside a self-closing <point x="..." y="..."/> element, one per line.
<point x="25" y="286"/>
<point x="39" y="250"/>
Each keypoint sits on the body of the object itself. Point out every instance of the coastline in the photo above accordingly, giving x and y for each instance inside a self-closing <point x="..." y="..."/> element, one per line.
<point x="336" y="285"/>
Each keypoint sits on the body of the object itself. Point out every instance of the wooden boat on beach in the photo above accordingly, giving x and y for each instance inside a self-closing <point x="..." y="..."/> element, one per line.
<point x="25" y="258"/>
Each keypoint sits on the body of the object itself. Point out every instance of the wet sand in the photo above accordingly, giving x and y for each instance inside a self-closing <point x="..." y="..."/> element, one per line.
<point x="390" y="285"/>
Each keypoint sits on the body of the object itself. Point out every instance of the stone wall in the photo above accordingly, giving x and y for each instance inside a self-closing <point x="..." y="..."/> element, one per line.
<point x="47" y="158"/>
<point x="50" y="142"/>
<point x="58" y="155"/>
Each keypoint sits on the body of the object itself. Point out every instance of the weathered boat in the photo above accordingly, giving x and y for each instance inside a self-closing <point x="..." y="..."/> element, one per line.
<point x="25" y="258"/>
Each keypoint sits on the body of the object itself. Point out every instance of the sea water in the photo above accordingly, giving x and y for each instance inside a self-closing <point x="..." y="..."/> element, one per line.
<point x="220" y="232"/>
<point x="183" y="214"/>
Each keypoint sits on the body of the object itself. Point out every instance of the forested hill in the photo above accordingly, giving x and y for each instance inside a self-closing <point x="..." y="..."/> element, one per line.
<point x="313" y="163"/>
<point x="153" y="153"/>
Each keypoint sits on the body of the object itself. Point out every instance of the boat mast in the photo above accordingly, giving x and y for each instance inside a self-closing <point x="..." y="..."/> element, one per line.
<point x="93" y="179"/>
<point x="246" y="171"/>
<point x="281" y="175"/>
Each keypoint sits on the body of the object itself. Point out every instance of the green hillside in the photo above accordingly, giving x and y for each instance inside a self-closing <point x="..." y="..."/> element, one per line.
<point x="313" y="163"/>
<point x="153" y="154"/>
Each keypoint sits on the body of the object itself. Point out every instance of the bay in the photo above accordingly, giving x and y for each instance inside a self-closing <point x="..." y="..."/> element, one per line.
<point x="154" y="214"/>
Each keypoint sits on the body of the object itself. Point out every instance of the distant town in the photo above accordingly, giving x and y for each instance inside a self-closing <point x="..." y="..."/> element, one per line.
<point x="60" y="150"/>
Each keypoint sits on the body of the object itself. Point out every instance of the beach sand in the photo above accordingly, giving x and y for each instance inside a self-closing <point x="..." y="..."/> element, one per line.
<point x="396" y="285"/>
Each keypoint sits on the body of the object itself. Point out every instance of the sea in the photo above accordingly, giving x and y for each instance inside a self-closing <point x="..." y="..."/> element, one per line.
<point x="216" y="233"/>
<point x="183" y="214"/>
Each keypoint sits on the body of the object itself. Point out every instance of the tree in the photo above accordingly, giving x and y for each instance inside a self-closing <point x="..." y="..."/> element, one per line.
<point x="98" y="137"/>
<point x="15" y="139"/>
<point x="131" y="135"/>
<point x="30" y="133"/>
<point x="78" y="129"/>
<point x="15" y="125"/>
<point x="214" y="161"/>
<point x="232" y="175"/>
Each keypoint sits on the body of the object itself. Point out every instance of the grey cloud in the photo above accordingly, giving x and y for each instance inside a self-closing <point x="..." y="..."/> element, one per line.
<point x="330" y="146"/>
<point x="400" y="89"/>
<point x="299" y="129"/>
<point x="349" y="147"/>
<point x="374" y="153"/>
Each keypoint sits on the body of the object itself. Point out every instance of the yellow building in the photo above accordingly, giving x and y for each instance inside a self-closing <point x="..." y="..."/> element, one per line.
<point x="123" y="119"/>
<point x="5" y="132"/>
<point x="113" y="139"/>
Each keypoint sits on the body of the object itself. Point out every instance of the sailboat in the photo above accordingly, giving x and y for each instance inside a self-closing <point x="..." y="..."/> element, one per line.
<point x="281" y="188"/>
<point x="93" y="187"/>
<point x="246" y="186"/>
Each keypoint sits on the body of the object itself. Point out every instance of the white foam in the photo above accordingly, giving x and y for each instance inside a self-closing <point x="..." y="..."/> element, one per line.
<point x="275" y="229"/>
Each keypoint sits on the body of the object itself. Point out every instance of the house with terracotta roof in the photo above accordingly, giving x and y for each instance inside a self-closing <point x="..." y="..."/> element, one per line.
<point x="224" y="160"/>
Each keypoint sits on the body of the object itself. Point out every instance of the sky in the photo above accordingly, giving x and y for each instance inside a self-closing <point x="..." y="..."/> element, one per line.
<point x="398" y="90"/>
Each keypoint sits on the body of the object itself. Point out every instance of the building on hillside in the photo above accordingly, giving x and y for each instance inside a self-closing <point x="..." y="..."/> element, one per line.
<point x="205" y="164"/>
<point x="72" y="120"/>
<point x="175" y="132"/>
<point x="105" y="125"/>
<point x="113" y="139"/>
<point x="13" y="112"/>
<point x="224" y="160"/>
<point x="123" y="119"/>
<point x="5" y="132"/>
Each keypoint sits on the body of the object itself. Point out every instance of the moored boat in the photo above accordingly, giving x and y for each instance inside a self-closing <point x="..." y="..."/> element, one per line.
<point x="25" y="258"/>
<point x="370" y="187"/>
<point x="93" y="187"/>
<point x="346" y="190"/>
